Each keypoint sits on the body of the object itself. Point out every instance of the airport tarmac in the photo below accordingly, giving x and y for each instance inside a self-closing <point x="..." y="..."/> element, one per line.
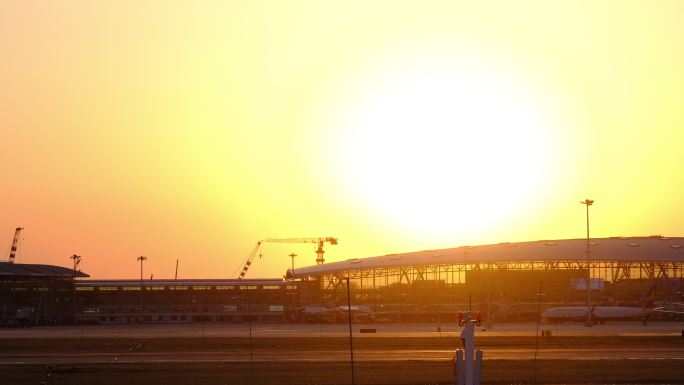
<point x="288" y="331"/>
<point x="295" y="354"/>
<point x="569" y="353"/>
<point x="622" y="328"/>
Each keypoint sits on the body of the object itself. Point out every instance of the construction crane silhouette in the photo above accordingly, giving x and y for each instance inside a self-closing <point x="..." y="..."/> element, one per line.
<point x="15" y="245"/>
<point x="319" y="241"/>
<point x="248" y="262"/>
<point x="319" y="249"/>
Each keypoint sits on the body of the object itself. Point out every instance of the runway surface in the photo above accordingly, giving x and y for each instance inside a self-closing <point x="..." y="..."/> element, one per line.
<point x="340" y="355"/>
<point x="265" y="354"/>
<point x="624" y="328"/>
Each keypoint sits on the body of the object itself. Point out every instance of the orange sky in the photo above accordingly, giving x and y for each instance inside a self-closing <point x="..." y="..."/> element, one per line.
<point x="181" y="131"/>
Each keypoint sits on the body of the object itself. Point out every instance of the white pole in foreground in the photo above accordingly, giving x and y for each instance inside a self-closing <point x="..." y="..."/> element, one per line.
<point x="469" y="362"/>
<point x="468" y="337"/>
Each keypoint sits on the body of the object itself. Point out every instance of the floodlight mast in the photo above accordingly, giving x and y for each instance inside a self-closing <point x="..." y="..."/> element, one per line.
<point x="142" y="286"/>
<point x="292" y="255"/>
<point x="588" y="323"/>
<point x="76" y="259"/>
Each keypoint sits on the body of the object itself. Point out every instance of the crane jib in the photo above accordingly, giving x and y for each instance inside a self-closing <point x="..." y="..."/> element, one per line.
<point x="319" y="250"/>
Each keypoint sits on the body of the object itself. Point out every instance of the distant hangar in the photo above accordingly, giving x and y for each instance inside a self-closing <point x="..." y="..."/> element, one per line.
<point x="38" y="271"/>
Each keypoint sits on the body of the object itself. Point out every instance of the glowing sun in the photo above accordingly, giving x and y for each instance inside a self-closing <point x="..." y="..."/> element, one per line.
<point x="443" y="149"/>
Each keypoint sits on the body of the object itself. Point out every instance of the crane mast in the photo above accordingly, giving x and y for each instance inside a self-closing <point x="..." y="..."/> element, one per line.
<point x="15" y="245"/>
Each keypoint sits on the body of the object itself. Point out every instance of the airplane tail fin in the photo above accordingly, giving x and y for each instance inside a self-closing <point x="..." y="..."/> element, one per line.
<point x="648" y="296"/>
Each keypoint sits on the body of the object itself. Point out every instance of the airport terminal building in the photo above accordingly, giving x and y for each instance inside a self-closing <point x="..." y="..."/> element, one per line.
<point x="32" y="294"/>
<point x="506" y="281"/>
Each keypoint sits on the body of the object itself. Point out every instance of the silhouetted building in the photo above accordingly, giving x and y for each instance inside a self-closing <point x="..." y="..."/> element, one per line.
<point x="36" y="294"/>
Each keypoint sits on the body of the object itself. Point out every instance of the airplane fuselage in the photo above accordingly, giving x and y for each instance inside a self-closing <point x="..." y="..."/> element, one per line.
<point x="598" y="314"/>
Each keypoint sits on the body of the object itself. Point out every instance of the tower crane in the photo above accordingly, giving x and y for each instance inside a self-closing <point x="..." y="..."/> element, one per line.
<point x="319" y="249"/>
<point x="15" y="245"/>
<point x="319" y="241"/>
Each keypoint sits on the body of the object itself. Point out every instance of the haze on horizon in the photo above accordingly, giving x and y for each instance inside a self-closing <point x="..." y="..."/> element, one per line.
<point x="190" y="131"/>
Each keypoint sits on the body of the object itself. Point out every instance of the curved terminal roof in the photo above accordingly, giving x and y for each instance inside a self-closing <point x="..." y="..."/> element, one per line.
<point x="32" y="270"/>
<point x="623" y="249"/>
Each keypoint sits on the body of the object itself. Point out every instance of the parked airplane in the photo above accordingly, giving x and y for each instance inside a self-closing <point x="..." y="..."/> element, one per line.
<point x="331" y="314"/>
<point x="599" y="314"/>
<point x="354" y="309"/>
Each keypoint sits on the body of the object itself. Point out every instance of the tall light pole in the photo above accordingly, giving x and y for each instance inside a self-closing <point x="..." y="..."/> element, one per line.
<point x="293" y="255"/>
<point x="295" y="298"/>
<point x="588" y="202"/>
<point x="142" y="288"/>
<point x="351" y="345"/>
<point x="77" y="260"/>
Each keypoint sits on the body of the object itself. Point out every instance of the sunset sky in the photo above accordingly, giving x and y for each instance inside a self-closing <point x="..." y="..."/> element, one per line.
<point x="190" y="130"/>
